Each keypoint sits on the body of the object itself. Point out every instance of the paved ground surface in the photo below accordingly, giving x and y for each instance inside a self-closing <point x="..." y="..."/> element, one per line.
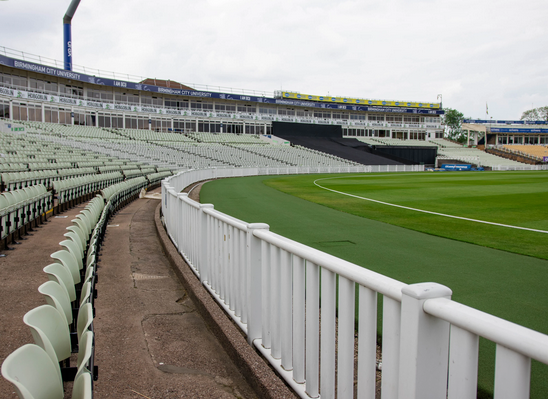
<point x="151" y="341"/>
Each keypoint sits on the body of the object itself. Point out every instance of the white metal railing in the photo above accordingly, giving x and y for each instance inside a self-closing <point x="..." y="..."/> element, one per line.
<point x="519" y="167"/>
<point x="276" y="289"/>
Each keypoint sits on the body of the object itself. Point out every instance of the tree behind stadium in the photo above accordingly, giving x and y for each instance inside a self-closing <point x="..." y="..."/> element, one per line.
<point x="452" y="119"/>
<point x="535" y="114"/>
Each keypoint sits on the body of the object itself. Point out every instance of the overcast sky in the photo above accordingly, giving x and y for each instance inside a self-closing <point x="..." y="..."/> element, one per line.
<point x="473" y="52"/>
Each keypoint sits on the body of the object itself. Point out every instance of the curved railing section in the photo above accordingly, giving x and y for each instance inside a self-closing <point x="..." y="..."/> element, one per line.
<point x="314" y="316"/>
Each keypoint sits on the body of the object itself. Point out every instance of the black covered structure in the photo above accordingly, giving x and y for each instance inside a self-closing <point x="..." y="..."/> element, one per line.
<point x="410" y="155"/>
<point x="328" y="139"/>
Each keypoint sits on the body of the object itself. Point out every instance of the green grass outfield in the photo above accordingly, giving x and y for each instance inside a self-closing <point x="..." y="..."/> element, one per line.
<point x="474" y="260"/>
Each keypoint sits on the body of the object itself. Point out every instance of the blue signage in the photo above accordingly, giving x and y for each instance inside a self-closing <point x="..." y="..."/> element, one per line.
<point x="517" y="130"/>
<point x="68" y="46"/>
<point x="504" y="122"/>
<point x="450" y="166"/>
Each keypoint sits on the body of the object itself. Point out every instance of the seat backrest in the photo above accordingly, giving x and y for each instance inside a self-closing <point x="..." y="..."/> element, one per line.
<point x="81" y="235"/>
<point x="76" y="238"/>
<point x="74" y="249"/>
<point x="83" y="221"/>
<point x="69" y="261"/>
<point x="79" y="222"/>
<point x="92" y="257"/>
<point x="41" y="339"/>
<point x="54" y="325"/>
<point x="85" y="351"/>
<point x="59" y="273"/>
<point x="4" y="203"/>
<point x="85" y="296"/>
<point x="90" y="270"/>
<point x="12" y="199"/>
<point x="19" y="195"/>
<point x="91" y="217"/>
<point x="85" y="318"/>
<point x="33" y="373"/>
<point x="58" y="297"/>
<point x="82" y="388"/>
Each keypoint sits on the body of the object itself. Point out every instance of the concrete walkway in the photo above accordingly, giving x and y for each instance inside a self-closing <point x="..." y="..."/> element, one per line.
<point x="151" y="341"/>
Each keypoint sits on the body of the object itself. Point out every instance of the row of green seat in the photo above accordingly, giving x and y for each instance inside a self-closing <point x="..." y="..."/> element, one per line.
<point x="65" y="324"/>
<point x="17" y="166"/>
<point x="21" y="179"/>
<point x="22" y="206"/>
<point x="12" y="166"/>
<point x="155" y="178"/>
<point x="70" y="189"/>
<point x="15" y="180"/>
<point x="124" y="190"/>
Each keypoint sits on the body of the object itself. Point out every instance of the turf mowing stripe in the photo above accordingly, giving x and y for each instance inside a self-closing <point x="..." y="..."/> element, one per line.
<point x="422" y="210"/>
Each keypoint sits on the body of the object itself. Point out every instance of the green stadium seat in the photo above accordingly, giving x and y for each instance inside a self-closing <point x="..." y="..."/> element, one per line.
<point x="75" y="250"/>
<point x="82" y="388"/>
<point x="53" y="324"/>
<point x="74" y="237"/>
<point x="62" y="275"/>
<point x="33" y="373"/>
<point x="85" y="354"/>
<point x="69" y="261"/>
<point x="85" y="297"/>
<point x="85" y="319"/>
<point x="58" y="297"/>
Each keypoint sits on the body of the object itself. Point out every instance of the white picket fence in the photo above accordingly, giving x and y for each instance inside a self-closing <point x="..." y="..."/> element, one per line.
<point x="520" y="167"/>
<point x="275" y="289"/>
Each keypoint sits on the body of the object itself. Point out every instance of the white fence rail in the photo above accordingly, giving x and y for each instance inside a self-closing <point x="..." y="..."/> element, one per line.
<point x="282" y="294"/>
<point x="520" y="167"/>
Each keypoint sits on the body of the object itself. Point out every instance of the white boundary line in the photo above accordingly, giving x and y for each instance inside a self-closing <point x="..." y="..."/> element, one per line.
<point x="421" y="210"/>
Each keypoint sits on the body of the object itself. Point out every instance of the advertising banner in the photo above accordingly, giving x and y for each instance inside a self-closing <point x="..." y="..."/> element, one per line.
<point x="449" y="166"/>
<point x="504" y="122"/>
<point x="518" y="130"/>
<point x="343" y="100"/>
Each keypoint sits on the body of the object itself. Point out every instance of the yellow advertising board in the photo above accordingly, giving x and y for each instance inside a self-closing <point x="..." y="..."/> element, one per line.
<point x="357" y="101"/>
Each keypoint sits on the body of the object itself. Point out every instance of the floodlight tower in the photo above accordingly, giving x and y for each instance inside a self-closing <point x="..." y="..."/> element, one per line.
<point x="67" y="33"/>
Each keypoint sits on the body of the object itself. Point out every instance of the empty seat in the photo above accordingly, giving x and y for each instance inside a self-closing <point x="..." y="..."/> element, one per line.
<point x="69" y="261"/>
<point x="82" y="388"/>
<point x="80" y="233"/>
<point x="85" y="296"/>
<point x="46" y="320"/>
<point x="85" y="354"/>
<point x="75" y="250"/>
<point x="35" y="376"/>
<point x="60" y="274"/>
<point x="73" y="235"/>
<point x="58" y="297"/>
<point x="85" y="319"/>
<point x="33" y="373"/>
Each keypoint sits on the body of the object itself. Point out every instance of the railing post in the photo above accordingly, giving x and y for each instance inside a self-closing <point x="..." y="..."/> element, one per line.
<point x="254" y="282"/>
<point x="181" y="225"/>
<point x="512" y="374"/>
<point x="424" y="344"/>
<point x="203" y="250"/>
